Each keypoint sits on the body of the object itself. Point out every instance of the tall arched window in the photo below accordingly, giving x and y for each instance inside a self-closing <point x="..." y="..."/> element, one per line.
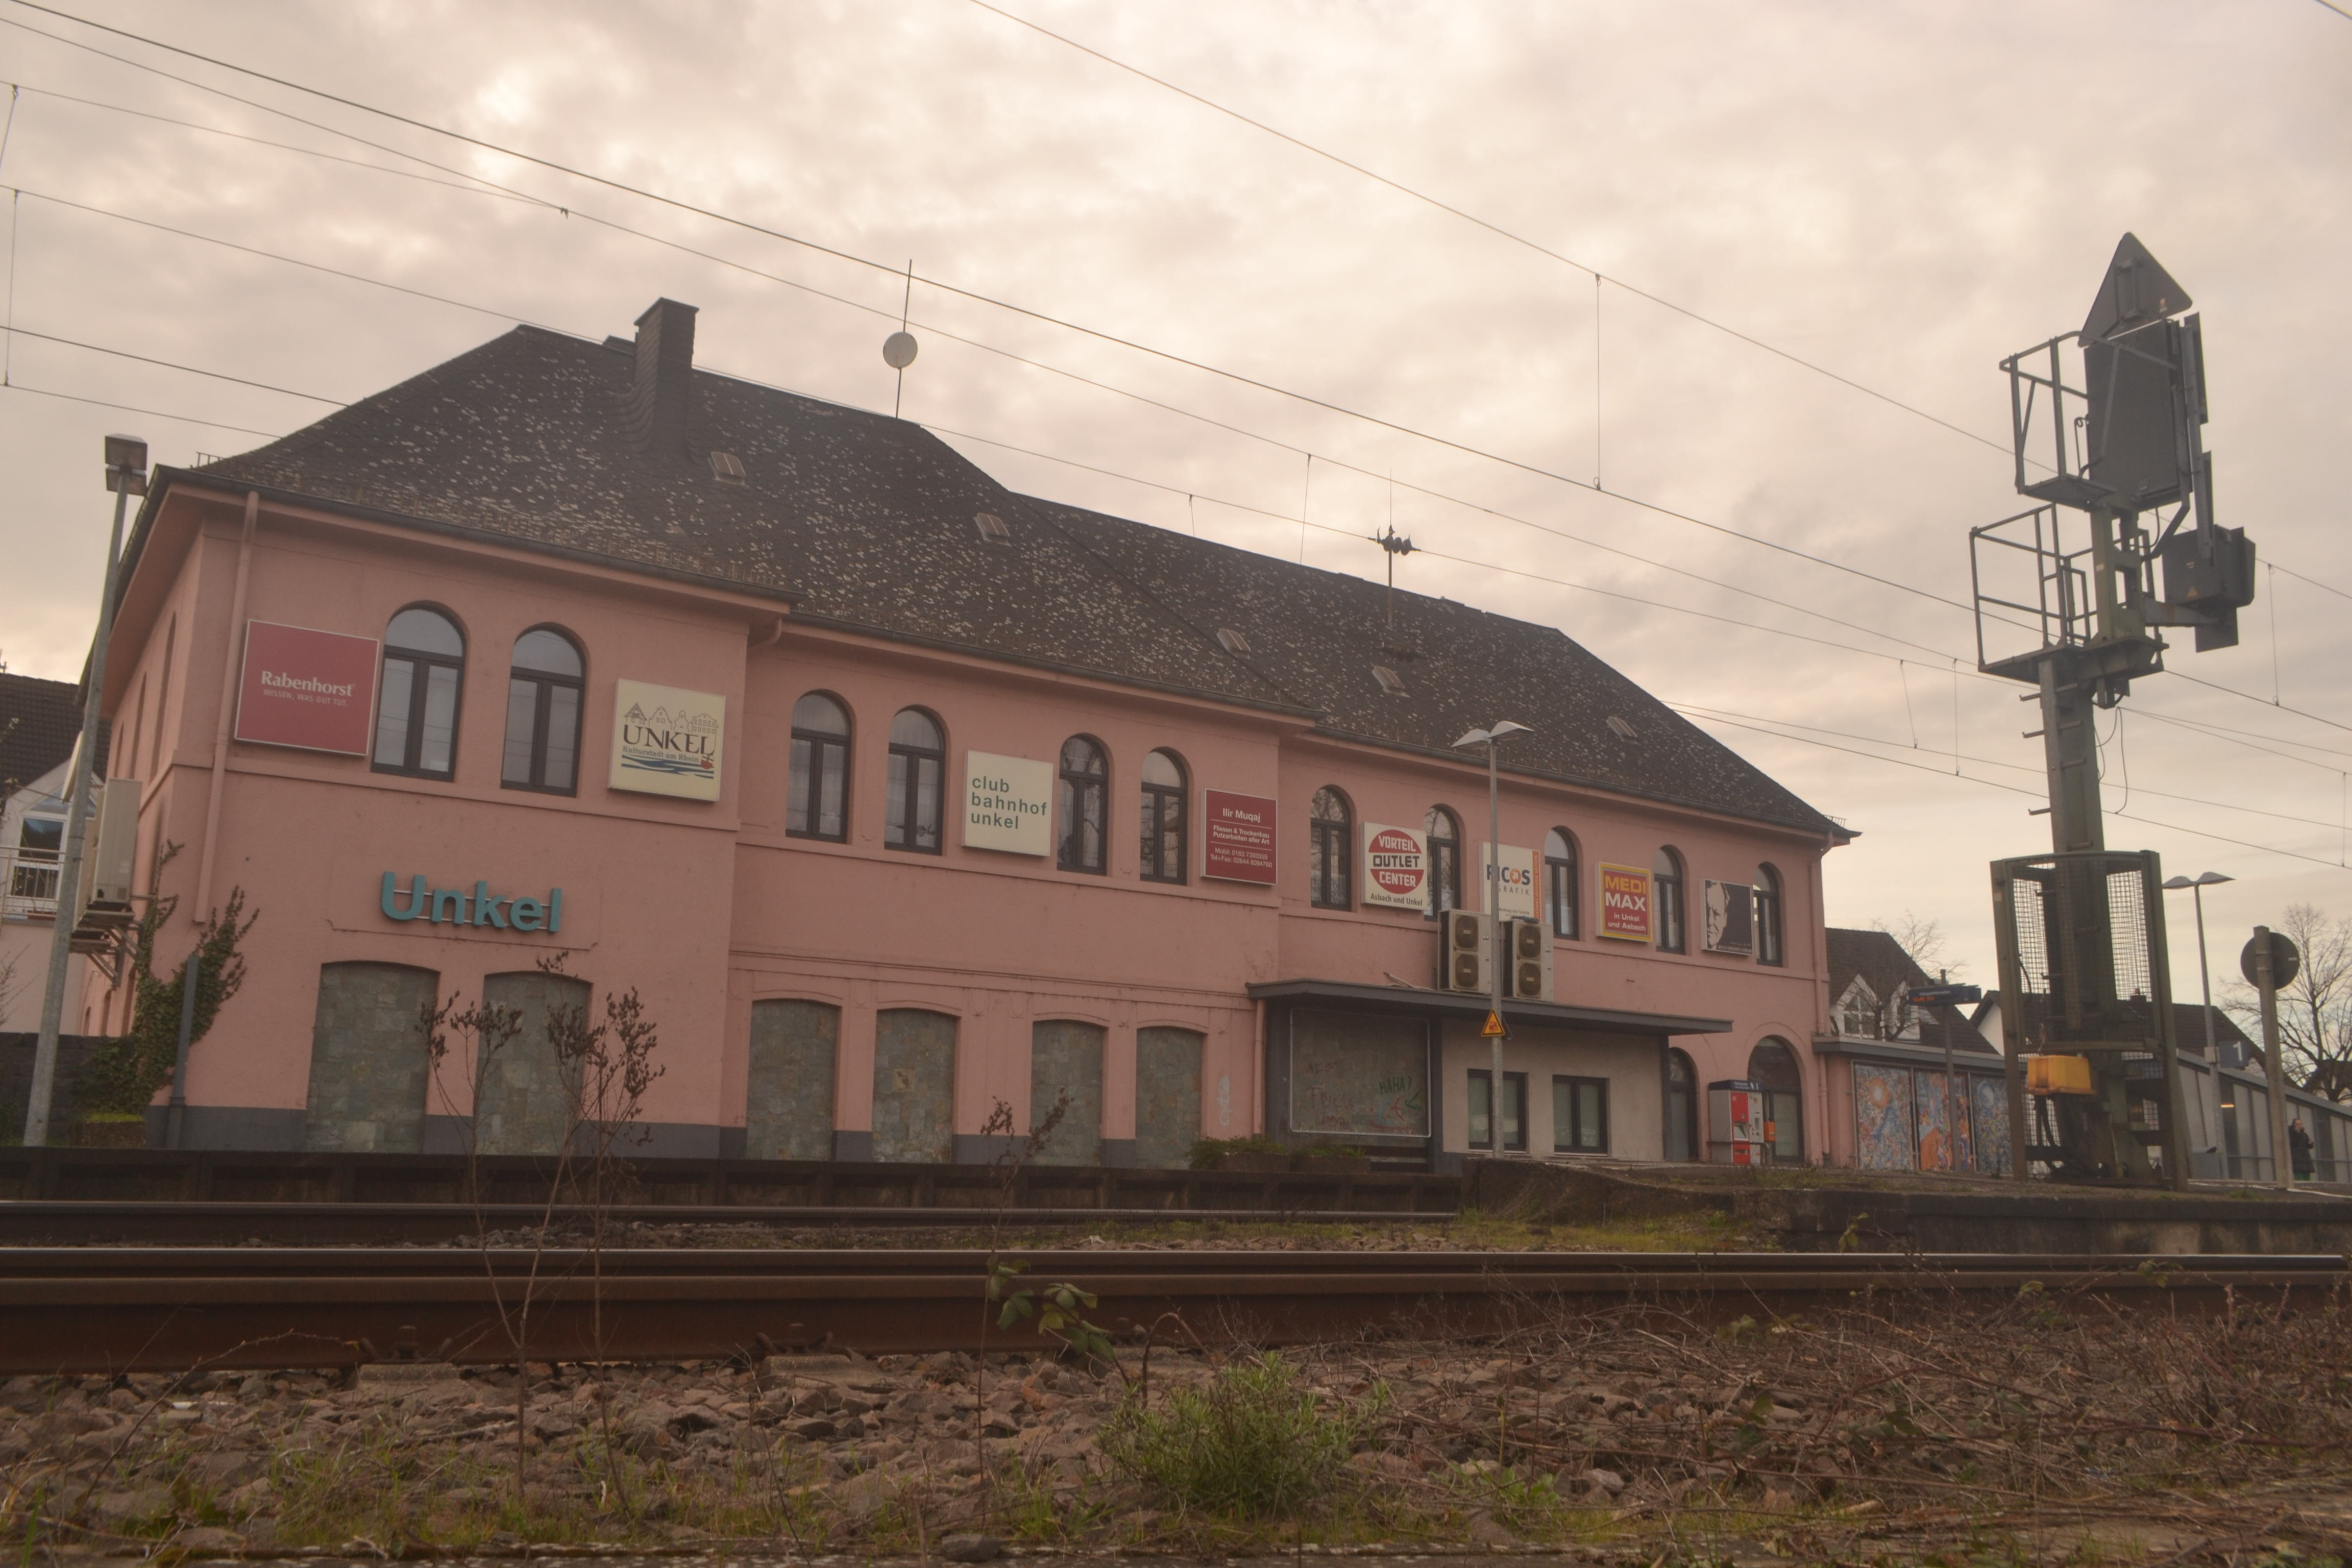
<point x="1774" y="1065"/>
<point x="918" y="764"/>
<point x="1085" y="802"/>
<point x="1164" y="818"/>
<point x="1769" y="945"/>
<point x="1667" y="897"/>
<point x="1328" y="856"/>
<point x="1444" y="861"/>
<point x="1560" y="881"/>
<point x="416" y="716"/>
<point x="817" y="790"/>
<point x="543" y="713"/>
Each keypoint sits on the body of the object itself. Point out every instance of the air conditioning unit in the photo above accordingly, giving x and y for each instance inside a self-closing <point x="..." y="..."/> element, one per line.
<point x="103" y="898"/>
<point x="1462" y="952"/>
<point x="1528" y="945"/>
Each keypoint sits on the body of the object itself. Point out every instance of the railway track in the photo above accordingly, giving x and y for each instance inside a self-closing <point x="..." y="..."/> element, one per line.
<point x="109" y="1310"/>
<point x="86" y="1222"/>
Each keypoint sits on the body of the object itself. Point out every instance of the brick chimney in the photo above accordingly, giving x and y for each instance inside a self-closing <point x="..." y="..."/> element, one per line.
<point x="661" y="394"/>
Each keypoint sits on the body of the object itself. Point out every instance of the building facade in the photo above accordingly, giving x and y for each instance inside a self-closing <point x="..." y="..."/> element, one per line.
<point x="565" y="669"/>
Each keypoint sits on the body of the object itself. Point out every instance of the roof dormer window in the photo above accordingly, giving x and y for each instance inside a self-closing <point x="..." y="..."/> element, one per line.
<point x="1624" y="731"/>
<point x="1232" y="641"/>
<point x="991" y="528"/>
<point x="1391" y="681"/>
<point x="727" y="468"/>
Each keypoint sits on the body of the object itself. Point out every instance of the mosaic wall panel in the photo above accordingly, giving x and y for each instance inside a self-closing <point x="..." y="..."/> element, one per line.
<point x="523" y="1102"/>
<point x="914" y="1087"/>
<point x="1882" y="1138"/>
<point x="1167" y="1096"/>
<point x="1066" y="1058"/>
<point x="368" y="1063"/>
<point x="1989" y="1102"/>
<point x="788" y="1106"/>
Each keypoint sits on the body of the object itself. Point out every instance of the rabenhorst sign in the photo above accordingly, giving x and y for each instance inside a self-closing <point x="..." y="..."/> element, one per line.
<point x="478" y="906"/>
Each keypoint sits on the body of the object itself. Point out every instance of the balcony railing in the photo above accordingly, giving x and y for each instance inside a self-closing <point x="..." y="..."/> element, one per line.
<point x="28" y="884"/>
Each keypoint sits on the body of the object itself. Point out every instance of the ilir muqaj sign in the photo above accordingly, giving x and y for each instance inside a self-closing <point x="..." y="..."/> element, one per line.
<point x="1239" y="837"/>
<point x="668" y="740"/>
<point x="475" y="907"/>
<point x="1625" y="902"/>
<point x="310" y="690"/>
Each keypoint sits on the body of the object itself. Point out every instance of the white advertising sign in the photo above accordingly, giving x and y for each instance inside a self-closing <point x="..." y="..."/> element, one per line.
<point x="1396" y="868"/>
<point x="667" y="741"/>
<point x="1519" y="891"/>
<point x="1008" y="804"/>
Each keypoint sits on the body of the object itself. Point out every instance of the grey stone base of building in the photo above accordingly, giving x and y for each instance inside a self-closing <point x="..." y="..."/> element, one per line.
<point x="976" y="1148"/>
<point x="261" y="1127"/>
<point x="852" y="1146"/>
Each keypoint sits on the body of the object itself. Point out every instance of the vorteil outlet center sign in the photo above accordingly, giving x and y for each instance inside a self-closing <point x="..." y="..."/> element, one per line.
<point x="313" y="689"/>
<point x="1396" y="868"/>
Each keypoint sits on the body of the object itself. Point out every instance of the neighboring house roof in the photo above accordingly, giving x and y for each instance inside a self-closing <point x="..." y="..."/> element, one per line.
<point x="39" y="721"/>
<point x="1883" y="964"/>
<point x="868" y="522"/>
<point x="2188" y="1026"/>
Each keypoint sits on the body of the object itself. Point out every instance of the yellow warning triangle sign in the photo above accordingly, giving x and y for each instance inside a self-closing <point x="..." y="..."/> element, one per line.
<point x="1494" y="1028"/>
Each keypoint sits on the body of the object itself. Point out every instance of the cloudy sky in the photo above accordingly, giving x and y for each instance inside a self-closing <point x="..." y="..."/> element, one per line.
<point x="1895" y="195"/>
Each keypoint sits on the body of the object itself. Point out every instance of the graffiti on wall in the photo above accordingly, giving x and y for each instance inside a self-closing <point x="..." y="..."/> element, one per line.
<point x="1882" y="1118"/>
<point x="1989" y="1102"/>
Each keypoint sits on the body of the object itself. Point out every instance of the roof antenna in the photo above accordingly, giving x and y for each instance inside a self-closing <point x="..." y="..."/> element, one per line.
<point x="898" y="348"/>
<point x="1395" y="544"/>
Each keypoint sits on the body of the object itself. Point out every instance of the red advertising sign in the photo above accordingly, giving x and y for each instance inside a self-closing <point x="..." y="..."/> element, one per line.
<point x="1239" y="830"/>
<point x="1396" y="868"/>
<point x="1625" y="902"/>
<point x="307" y="688"/>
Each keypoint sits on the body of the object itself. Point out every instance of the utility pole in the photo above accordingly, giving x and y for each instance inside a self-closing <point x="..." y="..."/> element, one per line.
<point x="2264" y="954"/>
<point x="1495" y="954"/>
<point x="126" y="475"/>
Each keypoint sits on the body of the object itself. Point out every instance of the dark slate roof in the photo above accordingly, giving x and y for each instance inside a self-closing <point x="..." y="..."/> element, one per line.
<point x="1876" y="956"/>
<point x="39" y="721"/>
<point x="868" y="521"/>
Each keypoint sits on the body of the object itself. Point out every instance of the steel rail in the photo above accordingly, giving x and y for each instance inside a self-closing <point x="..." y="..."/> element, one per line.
<point x="83" y="1309"/>
<point x="80" y="1222"/>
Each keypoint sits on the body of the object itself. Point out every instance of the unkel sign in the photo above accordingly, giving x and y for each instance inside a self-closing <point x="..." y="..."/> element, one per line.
<point x="480" y="907"/>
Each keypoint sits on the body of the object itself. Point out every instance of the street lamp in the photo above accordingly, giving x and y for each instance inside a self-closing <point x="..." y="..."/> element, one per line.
<point x="126" y="475"/>
<point x="2197" y="886"/>
<point x="1488" y="738"/>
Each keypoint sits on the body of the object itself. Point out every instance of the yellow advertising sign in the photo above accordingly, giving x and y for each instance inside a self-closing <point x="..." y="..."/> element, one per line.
<point x="1625" y="903"/>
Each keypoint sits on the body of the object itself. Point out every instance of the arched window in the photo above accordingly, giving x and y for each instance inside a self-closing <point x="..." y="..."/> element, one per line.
<point x="1164" y="818"/>
<point x="416" y="716"/>
<point x="1560" y="881"/>
<point x="1444" y="861"/>
<point x="1682" y="1106"/>
<point x="543" y="713"/>
<point x="918" y="755"/>
<point x="1769" y="948"/>
<point x="1666" y="897"/>
<point x="1328" y="832"/>
<point x="1086" y="787"/>
<point x="817" y="790"/>
<point x="1774" y="1065"/>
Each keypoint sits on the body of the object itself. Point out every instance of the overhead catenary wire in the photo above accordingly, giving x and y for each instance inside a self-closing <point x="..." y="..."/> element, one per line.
<point x="1843" y="621"/>
<point x="1493" y="228"/>
<point x="1043" y="317"/>
<point x="129" y="408"/>
<point x="821" y="248"/>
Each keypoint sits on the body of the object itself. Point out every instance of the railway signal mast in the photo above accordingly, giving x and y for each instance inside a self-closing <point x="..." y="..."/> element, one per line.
<point x="2072" y="599"/>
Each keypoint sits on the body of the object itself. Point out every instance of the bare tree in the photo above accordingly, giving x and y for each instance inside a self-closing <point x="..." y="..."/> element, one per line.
<point x="2314" y="1011"/>
<point x="1923" y="937"/>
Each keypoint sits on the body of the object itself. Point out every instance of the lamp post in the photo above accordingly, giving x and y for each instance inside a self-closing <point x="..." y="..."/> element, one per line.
<point x="1488" y="738"/>
<point x="2197" y="886"/>
<point x="126" y="475"/>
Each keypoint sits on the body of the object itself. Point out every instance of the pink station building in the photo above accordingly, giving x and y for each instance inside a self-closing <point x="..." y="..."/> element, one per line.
<point x="897" y="797"/>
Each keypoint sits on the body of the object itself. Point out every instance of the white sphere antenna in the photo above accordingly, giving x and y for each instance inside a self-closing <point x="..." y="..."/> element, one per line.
<point x="899" y="349"/>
